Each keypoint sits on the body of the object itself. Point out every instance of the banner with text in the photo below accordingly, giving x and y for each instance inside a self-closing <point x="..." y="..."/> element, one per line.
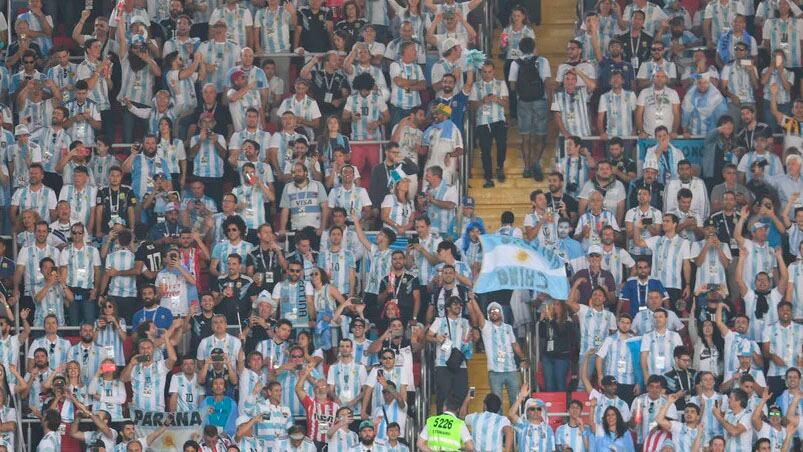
<point x="511" y="263"/>
<point x="184" y="426"/>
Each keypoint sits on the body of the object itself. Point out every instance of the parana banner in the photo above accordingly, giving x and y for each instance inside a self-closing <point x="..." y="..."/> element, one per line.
<point x="184" y="426"/>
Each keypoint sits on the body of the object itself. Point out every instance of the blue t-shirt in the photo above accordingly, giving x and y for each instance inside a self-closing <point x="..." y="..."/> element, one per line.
<point x="222" y="414"/>
<point x="458" y="104"/>
<point x="161" y="317"/>
<point x="633" y="291"/>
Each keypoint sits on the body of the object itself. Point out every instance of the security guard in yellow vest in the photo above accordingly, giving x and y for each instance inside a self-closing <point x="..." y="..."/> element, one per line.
<point x="446" y="432"/>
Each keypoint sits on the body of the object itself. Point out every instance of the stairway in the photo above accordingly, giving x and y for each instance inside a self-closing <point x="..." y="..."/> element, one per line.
<point x="555" y="31"/>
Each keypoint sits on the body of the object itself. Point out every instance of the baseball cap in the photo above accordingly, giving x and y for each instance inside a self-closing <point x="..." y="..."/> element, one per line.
<point x="366" y="424"/>
<point x="264" y="297"/>
<point x="237" y="74"/>
<point x="20" y="130"/>
<point x="758" y="225"/>
<point x="709" y="222"/>
<point x="595" y="249"/>
<point x="609" y="380"/>
<point x="468" y="201"/>
<point x="448" y="44"/>
<point x="537" y="403"/>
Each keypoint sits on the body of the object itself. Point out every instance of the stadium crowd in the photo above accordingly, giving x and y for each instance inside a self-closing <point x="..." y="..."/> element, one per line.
<point x="254" y="211"/>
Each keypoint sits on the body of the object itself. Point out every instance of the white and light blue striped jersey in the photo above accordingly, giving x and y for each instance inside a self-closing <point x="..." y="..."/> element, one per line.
<point x="712" y="427"/>
<point x="20" y="156"/>
<point x="794" y="236"/>
<point x="644" y="321"/>
<point x="347" y="379"/>
<point x="52" y="303"/>
<point x="783" y="96"/>
<point x="273" y="354"/>
<point x="486" y="430"/>
<point x="57" y="352"/>
<point x="397" y="375"/>
<point x="100" y="167"/>
<point x="306" y="445"/>
<point x="136" y="85"/>
<point x="53" y="145"/>
<point x="660" y="348"/>
<point x="400" y="213"/>
<point x="207" y="162"/>
<point x="10" y="350"/>
<point x="252" y="444"/>
<point x="514" y="37"/>
<point x="81" y="203"/>
<point x="499" y="340"/>
<point x="228" y="343"/>
<point x="82" y="130"/>
<point x="401" y="97"/>
<point x="776" y="437"/>
<point x="425" y="270"/>
<point x="567" y="436"/>
<point x="785" y="35"/>
<point x="338" y="265"/>
<point x="109" y="339"/>
<point x="489" y="113"/>
<point x="575" y="171"/>
<point x="99" y="94"/>
<point x="667" y="259"/>
<point x="755" y="329"/>
<point x="440" y="217"/>
<point x="185" y="48"/>
<point x="288" y="380"/>
<point x="188" y="392"/>
<point x="379" y="268"/>
<point x="361" y="354"/>
<point x="743" y="441"/>
<point x="390" y="413"/>
<point x="143" y="169"/>
<point x="172" y="154"/>
<point x="42" y="200"/>
<point x="573" y="108"/>
<point x="739" y="82"/>
<point x="89" y="358"/>
<point x="222" y="250"/>
<point x="784" y="342"/>
<point x="682" y="435"/>
<point x="148" y="386"/>
<point x="757" y="259"/>
<point x="615" y="260"/>
<point x="619" y="108"/>
<point x="80" y="265"/>
<point x="29" y="257"/>
<point x="38" y="114"/>
<point x="595" y="326"/>
<point x="654" y="15"/>
<point x="342" y="441"/>
<point x="122" y="286"/>
<point x="711" y="271"/>
<point x="534" y="437"/>
<point x="183" y="92"/>
<point x="44" y="41"/>
<point x="796" y="281"/>
<point x="254" y="199"/>
<point x="595" y="224"/>
<point x="736" y="343"/>
<point x="112" y="396"/>
<point x="274" y="29"/>
<point x="155" y="115"/>
<point x="354" y="198"/>
<point x="247" y="391"/>
<point x="238" y="22"/>
<point x="364" y="110"/>
<point x="261" y="137"/>
<point x="649" y="413"/>
<point x="291" y="300"/>
<point x="21" y="77"/>
<point x="280" y="141"/>
<point x="224" y="55"/>
<point x="722" y="16"/>
<point x="773" y="168"/>
<point x="617" y="360"/>
<point x="322" y="300"/>
<point x="239" y="108"/>
<point x="459" y="329"/>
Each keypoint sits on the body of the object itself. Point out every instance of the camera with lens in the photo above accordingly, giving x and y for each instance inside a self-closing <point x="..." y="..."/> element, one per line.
<point x="414" y="239"/>
<point x="571" y="187"/>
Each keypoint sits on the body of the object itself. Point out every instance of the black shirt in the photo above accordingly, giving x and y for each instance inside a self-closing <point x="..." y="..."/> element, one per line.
<point x="201" y="329"/>
<point x="636" y="46"/>
<point x="115" y="202"/>
<point x="151" y="255"/>
<point x="726" y="227"/>
<point x="404" y="288"/>
<point x="266" y="263"/>
<point x="323" y="85"/>
<point x="747" y="138"/>
<point x="625" y="165"/>
<point x="240" y="302"/>
<point x="314" y="35"/>
<point x="440" y="295"/>
<point x="256" y="334"/>
<point x="572" y="205"/>
<point x="656" y="190"/>
<point x="221" y="114"/>
<point x="354" y="30"/>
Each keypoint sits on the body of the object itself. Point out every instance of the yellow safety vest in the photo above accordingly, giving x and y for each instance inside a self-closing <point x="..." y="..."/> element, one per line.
<point x="443" y="432"/>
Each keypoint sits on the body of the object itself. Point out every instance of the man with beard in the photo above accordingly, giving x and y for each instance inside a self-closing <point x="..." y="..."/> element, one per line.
<point x="458" y="100"/>
<point x="557" y="198"/>
<point x="367" y="112"/>
<point x="329" y="86"/>
<point x="148" y="375"/>
<point x="368" y="441"/>
<point x="402" y="289"/>
<point x="683" y="433"/>
<point x="320" y="411"/>
<point x="200" y="323"/>
<point x="235" y="293"/>
<point x="139" y="70"/>
<point x="303" y="203"/>
<point x="53" y="142"/>
<point x="171" y="27"/>
<point x="346" y="379"/>
<point x="339" y="263"/>
<point x="266" y="262"/>
<point x="689" y="184"/>
<point x="27" y="269"/>
<point x="128" y="436"/>
<point x="303" y="106"/>
<point x="87" y="353"/>
<point x="185" y="392"/>
<point x="615" y="62"/>
<point x="501" y="345"/>
<point x="38" y="372"/>
<point x="114" y="205"/>
<point x="614" y="369"/>
<point x="612" y="190"/>
<point x="144" y="166"/>
<point x="56" y="347"/>
<point x="293" y="298"/>
<point x="151" y="311"/>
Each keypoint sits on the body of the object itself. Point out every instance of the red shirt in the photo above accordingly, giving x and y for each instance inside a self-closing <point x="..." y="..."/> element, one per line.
<point x="320" y="417"/>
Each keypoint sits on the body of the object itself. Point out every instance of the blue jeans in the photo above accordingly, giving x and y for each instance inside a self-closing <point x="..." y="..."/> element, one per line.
<point x="499" y="380"/>
<point x="82" y="309"/>
<point x="555" y="371"/>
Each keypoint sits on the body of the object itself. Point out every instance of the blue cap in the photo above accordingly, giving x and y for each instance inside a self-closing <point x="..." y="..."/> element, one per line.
<point x="468" y="201"/>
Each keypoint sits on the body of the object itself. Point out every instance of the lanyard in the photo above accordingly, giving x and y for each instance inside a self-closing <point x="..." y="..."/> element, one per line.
<point x="262" y="258"/>
<point x="634" y="48"/>
<point x="329" y="82"/>
<point x="116" y="207"/>
<point x="167" y="232"/>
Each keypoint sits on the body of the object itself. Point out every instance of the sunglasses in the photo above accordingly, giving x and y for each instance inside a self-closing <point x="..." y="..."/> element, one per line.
<point x="296" y="356"/>
<point x="293" y="270"/>
<point x="388" y="357"/>
<point x="77" y="232"/>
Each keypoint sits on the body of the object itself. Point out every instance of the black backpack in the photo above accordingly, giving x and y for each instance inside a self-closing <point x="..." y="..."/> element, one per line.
<point x="529" y="85"/>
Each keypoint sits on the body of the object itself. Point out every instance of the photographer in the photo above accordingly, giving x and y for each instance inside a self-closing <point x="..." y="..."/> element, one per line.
<point x="218" y="375"/>
<point x="174" y="282"/>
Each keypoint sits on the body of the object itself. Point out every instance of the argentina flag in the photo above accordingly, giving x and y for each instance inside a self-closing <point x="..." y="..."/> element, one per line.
<point x="511" y="263"/>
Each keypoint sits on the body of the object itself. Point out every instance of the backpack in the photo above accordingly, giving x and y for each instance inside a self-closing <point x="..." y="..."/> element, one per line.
<point x="529" y="86"/>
